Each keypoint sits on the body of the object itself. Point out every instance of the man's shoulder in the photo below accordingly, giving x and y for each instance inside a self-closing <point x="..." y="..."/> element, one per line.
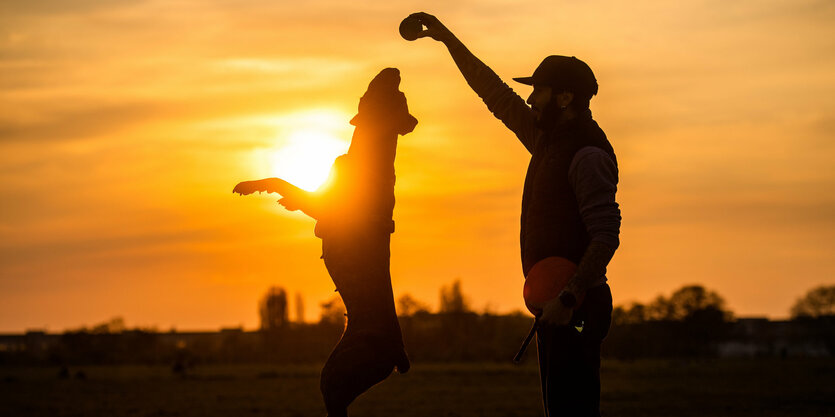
<point x="592" y="158"/>
<point x="594" y="144"/>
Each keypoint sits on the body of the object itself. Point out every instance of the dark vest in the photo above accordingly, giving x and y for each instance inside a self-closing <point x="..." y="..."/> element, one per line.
<point x="551" y="222"/>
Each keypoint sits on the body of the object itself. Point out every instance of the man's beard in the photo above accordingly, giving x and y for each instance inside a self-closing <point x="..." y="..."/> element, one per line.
<point x="549" y="115"/>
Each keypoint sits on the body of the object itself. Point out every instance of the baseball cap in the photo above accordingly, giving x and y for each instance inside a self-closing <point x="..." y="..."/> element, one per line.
<point x="566" y="72"/>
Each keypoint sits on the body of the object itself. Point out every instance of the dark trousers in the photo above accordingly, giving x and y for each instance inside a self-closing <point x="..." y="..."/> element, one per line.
<point x="569" y="358"/>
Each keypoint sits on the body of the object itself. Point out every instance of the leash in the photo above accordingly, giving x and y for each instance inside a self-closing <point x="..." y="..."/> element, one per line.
<point x="527" y="341"/>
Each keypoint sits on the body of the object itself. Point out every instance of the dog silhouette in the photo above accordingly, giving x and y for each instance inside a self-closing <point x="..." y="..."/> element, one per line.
<point x="353" y="212"/>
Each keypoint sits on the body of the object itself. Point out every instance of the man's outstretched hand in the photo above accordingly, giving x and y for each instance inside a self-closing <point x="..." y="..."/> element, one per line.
<point x="434" y="28"/>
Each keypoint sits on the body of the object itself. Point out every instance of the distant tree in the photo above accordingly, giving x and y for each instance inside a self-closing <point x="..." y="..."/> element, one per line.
<point x="685" y="303"/>
<point x="333" y="312"/>
<point x="819" y="301"/>
<point x="489" y="309"/>
<point x="299" y="308"/>
<point x="635" y="313"/>
<point x="273" y="309"/>
<point x="659" y="309"/>
<point x="453" y="300"/>
<point x="409" y="306"/>
<point x="690" y="322"/>
<point x="114" y="325"/>
<point x="695" y="299"/>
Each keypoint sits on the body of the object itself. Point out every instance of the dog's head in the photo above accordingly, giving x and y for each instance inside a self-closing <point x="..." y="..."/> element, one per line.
<point x="383" y="106"/>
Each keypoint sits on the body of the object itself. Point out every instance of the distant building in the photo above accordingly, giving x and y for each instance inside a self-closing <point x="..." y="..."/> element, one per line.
<point x="756" y="337"/>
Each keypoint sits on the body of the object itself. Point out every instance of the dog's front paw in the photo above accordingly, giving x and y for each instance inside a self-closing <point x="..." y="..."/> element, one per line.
<point x="247" y="187"/>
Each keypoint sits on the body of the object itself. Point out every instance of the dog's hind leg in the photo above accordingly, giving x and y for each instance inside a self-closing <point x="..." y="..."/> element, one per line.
<point x="357" y="363"/>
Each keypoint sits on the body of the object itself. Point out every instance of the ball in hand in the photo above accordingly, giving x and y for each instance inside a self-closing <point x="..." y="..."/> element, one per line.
<point x="410" y="28"/>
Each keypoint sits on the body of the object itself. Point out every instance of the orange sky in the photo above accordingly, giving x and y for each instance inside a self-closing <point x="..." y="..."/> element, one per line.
<point x="124" y="126"/>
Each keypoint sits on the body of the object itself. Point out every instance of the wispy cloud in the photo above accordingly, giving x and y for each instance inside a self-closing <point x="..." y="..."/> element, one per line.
<point x="72" y="121"/>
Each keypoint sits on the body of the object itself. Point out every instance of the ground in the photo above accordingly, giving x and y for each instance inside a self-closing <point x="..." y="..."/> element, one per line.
<point x="737" y="388"/>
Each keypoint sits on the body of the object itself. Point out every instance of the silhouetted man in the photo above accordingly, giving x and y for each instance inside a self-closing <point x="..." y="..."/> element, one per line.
<point x="353" y="210"/>
<point x="568" y="211"/>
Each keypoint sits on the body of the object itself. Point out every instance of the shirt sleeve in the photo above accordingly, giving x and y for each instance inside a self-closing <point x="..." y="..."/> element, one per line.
<point x="500" y="99"/>
<point x="594" y="178"/>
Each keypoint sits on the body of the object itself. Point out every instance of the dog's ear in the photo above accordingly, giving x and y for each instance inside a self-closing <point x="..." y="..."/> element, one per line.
<point x="391" y="114"/>
<point x="407" y="123"/>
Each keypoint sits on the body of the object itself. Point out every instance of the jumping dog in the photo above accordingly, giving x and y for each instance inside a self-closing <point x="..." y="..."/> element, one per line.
<point x="353" y="212"/>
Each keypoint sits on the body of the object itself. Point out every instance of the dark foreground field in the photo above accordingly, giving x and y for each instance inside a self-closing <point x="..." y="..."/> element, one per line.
<point x="702" y="388"/>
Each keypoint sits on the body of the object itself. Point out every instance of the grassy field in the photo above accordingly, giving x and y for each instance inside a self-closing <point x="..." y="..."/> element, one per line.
<point x="702" y="388"/>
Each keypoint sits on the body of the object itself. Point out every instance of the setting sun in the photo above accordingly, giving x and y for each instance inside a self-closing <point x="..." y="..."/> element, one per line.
<point x="306" y="157"/>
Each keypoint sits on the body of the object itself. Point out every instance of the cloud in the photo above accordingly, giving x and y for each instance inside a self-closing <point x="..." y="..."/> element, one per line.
<point x="292" y="73"/>
<point x="279" y="66"/>
<point x="72" y="121"/>
<point x="80" y="250"/>
<point x="19" y="8"/>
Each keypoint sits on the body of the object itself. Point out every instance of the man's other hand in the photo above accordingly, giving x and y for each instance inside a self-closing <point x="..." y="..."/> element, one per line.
<point x="555" y="313"/>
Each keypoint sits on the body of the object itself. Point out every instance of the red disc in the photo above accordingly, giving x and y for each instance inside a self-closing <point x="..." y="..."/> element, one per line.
<point x="545" y="281"/>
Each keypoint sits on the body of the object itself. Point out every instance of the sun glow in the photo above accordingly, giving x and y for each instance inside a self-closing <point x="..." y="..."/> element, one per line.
<point x="306" y="158"/>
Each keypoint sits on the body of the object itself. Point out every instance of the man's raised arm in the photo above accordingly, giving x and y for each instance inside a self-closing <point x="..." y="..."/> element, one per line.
<point x="500" y="99"/>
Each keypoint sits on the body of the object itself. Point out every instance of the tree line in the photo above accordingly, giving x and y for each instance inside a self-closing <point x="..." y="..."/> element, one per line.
<point x="690" y="322"/>
<point x="689" y="303"/>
